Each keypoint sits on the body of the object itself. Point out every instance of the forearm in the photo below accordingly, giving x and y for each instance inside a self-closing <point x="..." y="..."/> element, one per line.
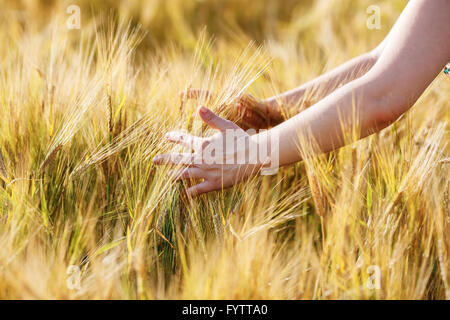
<point x="321" y="128"/>
<point x="320" y="87"/>
<point x="416" y="51"/>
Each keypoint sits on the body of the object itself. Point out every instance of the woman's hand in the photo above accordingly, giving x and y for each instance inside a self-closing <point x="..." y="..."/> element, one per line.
<point x="222" y="160"/>
<point x="248" y="112"/>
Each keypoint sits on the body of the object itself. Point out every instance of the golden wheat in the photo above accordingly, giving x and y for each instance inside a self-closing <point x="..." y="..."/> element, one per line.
<point x="84" y="214"/>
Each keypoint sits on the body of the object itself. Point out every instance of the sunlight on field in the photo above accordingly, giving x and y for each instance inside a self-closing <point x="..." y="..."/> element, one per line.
<point x="84" y="214"/>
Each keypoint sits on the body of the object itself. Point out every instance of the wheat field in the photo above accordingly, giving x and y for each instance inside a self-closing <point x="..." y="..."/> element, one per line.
<point x="84" y="214"/>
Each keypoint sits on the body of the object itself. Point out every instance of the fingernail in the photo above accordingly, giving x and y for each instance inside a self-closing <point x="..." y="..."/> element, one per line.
<point x="202" y="110"/>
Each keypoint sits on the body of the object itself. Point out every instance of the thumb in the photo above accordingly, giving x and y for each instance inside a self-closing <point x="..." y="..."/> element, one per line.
<point x="214" y="121"/>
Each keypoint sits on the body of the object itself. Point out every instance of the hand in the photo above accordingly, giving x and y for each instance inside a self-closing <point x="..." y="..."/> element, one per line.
<point x="248" y="112"/>
<point x="221" y="160"/>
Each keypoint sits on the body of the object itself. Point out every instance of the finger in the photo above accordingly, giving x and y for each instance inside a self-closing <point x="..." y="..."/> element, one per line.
<point x="186" y="159"/>
<point x="196" y="94"/>
<point x="250" y="102"/>
<point x="202" y="187"/>
<point x="214" y="121"/>
<point x="188" y="173"/>
<point x="184" y="139"/>
<point x="249" y="117"/>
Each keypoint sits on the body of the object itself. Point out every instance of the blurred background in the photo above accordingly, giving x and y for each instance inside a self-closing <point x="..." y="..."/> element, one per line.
<point x="180" y="20"/>
<point x="307" y="36"/>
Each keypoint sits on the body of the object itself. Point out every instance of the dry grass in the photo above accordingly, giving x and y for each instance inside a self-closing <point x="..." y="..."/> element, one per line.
<point x="84" y="111"/>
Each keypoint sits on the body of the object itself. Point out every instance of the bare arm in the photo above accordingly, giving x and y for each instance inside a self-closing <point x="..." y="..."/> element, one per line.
<point x="316" y="89"/>
<point x="254" y="113"/>
<point x="417" y="49"/>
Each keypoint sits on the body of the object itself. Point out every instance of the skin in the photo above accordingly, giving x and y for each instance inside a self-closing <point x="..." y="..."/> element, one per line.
<point x="380" y="86"/>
